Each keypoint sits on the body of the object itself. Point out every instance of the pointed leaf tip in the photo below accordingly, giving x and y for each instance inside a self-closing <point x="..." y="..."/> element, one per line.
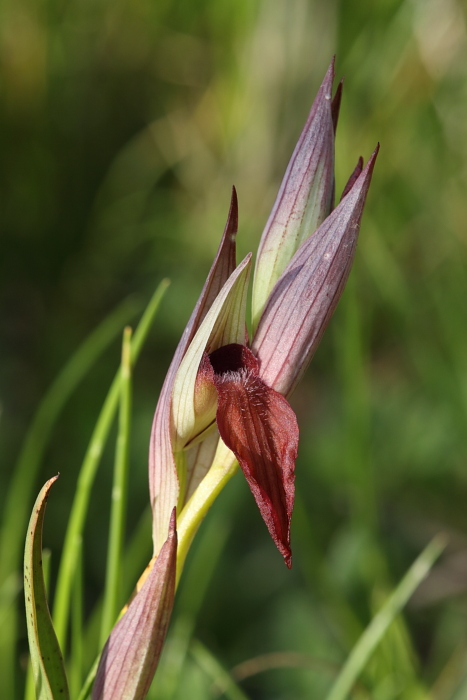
<point x="46" y="657"/>
<point x="232" y="219"/>
<point x="326" y="86"/>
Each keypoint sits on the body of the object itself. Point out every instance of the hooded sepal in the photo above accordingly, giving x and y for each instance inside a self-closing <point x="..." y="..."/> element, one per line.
<point x="305" y="196"/>
<point x="163" y="479"/>
<point x="261" y="429"/>
<point x="306" y="295"/>
<point x="131" y="653"/>
<point x="193" y="405"/>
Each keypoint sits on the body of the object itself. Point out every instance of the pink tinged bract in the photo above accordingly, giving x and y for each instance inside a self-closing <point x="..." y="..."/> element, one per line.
<point x="261" y="429"/>
<point x="131" y="654"/>
<point x="305" y="296"/>
<point x="163" y="480"/>
<point x="305" y="196"/>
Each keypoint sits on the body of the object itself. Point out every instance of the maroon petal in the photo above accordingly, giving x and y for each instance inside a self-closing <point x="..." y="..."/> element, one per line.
<point x="260" y="428"/>
<point x="130" y="656"/>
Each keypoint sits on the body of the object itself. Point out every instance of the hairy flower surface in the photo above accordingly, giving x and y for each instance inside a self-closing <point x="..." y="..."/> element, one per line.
<point x="261" y="429"/>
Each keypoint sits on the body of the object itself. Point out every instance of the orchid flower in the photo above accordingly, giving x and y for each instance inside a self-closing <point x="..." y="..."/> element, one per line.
<point x="224" y="391"/>
<point x="224" y="399"/>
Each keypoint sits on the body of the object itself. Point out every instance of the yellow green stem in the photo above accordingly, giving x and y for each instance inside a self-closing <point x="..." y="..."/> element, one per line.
<point x="223" y="468"/>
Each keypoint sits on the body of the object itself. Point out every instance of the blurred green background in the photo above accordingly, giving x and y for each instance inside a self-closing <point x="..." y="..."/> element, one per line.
<point x="123" y="125"/>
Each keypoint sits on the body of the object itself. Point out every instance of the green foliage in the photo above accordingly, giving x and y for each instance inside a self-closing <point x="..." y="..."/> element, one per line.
<point x="46" y="658"/>
<point x="124" y="126"/>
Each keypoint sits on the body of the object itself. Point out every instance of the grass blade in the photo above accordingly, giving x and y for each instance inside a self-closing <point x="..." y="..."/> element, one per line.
<point x="87" y="687"/>
<point x="382" y="620"/>
<point x="77" y="616"/>
<point x="88" y="471"/>
<point x="46" y="658"/>
<point x="214" y="670"/>
<point x="22" y="484"/>
<point x="112" y="591"/>
<point x="30" y="691"/>
<point x="19" y="495"/>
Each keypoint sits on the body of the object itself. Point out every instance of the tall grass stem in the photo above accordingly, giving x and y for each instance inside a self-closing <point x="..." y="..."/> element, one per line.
<point x="73" y="536"/>
<point x="20" y="491"/>
<point x="379" y="625"/>
<point x="112" y="592"/>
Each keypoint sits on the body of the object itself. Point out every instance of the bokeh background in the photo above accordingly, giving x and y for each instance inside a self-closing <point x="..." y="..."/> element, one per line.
<point x="123" y="125"/>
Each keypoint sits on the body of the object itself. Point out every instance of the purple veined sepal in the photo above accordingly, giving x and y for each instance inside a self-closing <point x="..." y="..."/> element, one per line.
<point x="131" y="654"/>
<point x="163" y="478"/>
<point x="305" y="197"/>
<point x="304" y="298"/>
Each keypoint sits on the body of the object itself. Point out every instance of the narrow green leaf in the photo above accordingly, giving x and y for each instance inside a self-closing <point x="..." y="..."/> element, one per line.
<point x="75" y="667"/>
<point x="216" y="672"/>
<point x="30" y="690"/>
<point x="87" y="686"/>
<point x="29" y="460"/>
<point x="373" y="634"/>
<point x="21" y="487"/>
<point x="88" y="471"/>
<point x="112" y="593"/>
<point x="46" y="657"/>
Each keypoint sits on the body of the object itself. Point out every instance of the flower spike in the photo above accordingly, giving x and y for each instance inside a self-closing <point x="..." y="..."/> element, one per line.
<point x="224" y="398"/>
